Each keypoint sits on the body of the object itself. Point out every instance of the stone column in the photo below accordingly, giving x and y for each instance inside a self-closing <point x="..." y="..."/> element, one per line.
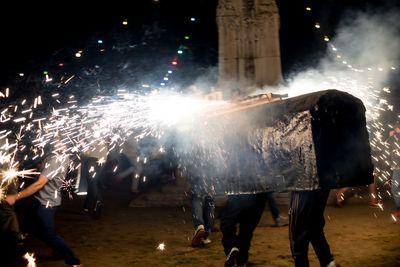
<point x="249" y="52"/>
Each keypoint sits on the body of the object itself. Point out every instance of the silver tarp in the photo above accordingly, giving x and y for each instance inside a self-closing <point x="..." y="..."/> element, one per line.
<point x="301" y="143"/>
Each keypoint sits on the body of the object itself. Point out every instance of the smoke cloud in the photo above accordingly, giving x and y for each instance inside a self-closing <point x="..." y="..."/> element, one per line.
<point x="360" y="59"/>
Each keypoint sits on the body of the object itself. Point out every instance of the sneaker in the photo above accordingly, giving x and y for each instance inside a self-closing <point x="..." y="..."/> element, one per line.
<point x="79" y="265"/>
<point x="281" y="221"/>
<point x="375" y="203"/>
<point x="231" y="257"/>
<point x="333" y="264"/>
<point x="206" y="241"/>
<point x="198" y="236"/>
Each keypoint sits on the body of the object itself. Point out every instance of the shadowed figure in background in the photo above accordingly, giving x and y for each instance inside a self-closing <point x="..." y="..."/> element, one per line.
<point x="132" y="153"/>
<point x="279" y="220"/>
<point x="200" y="176"/>
<point x="92" y="172"/>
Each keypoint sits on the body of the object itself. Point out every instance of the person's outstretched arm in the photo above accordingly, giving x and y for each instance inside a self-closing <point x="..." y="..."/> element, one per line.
<point x="30" y="190"/>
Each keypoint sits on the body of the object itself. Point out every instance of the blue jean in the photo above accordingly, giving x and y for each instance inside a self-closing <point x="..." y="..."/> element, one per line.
<point x="203" y="207"/>
<point x="396" y="187"/>
<point x="49" y="235"/>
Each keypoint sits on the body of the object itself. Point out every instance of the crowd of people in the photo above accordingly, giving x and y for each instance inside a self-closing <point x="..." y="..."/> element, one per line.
<point x="238" y="218"/>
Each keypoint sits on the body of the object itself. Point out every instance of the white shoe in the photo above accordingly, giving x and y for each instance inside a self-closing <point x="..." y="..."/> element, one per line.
<point x="206" y="241"/>
<point x="232" y="257"/>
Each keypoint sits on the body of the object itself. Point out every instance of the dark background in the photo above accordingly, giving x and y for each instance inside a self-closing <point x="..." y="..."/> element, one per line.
<point x="38" y="37"/>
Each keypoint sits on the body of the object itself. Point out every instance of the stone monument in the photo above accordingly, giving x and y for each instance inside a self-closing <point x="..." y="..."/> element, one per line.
<point x="248" y="45"/>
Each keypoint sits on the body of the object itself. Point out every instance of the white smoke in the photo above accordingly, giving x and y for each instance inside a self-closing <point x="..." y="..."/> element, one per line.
<point x="359" y="59"/>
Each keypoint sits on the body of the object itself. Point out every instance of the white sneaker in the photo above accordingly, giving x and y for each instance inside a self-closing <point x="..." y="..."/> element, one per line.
<point x="281" y="221"/>
<point x="232" y="257"/>
<point x="206" y="241"/>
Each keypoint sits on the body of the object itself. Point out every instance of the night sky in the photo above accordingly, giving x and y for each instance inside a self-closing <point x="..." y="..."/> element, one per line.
<point x="38" y="37"/>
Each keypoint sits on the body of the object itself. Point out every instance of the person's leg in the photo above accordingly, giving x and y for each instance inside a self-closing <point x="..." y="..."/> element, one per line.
<point x="273" y="207"/>
<point x="82" y="181"/>
<point x="229" y="218"/>
<point x="208" y="213"/>
<point x="10" y="235"/>
<point x="98" y="192"/>
<point x="318" y="240"/>
<point x="339" y="194"/>
<point x="372" y="191"/>
<point x="9" y="222"/>
<point x="50" y="236"/>
<point x="135" y="179"/>
<point x="197" y="210"/>
<point x="299" y="226"/>
<point x="90" y="199"/>
<point x="198" y="218"/>
<point x="396" y="188"/>
<point x="248" y="222"/>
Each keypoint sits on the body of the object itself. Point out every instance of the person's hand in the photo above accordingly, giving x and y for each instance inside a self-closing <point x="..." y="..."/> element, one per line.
<point x="392" y="133"/>
<point x="11" y="199"/>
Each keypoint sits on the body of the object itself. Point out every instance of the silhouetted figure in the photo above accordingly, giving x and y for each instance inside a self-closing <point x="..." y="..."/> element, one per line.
<point x="306" y="225"/>
<point x="239" y="218"/>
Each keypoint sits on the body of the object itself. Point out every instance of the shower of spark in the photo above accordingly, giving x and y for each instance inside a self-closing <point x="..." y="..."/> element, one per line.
<point x="70" y="129"/>
<point x="11" y="174"/>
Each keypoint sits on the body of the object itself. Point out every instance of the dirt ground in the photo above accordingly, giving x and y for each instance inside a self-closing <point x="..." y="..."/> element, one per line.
<point x="124" y="236"/>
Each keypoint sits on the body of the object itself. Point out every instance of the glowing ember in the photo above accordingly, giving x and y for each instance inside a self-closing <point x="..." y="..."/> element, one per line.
<point x="31" y="260"/>
<point x="161" y="246"/>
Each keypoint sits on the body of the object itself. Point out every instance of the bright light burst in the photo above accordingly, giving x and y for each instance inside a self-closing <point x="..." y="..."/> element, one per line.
<point x="11" y="174"/>
<point x="31" y="259"/>
<point x="161" y="246"/>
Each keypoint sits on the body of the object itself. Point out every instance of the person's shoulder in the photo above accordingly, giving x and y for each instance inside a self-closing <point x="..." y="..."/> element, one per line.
<point x="53" y="159"/>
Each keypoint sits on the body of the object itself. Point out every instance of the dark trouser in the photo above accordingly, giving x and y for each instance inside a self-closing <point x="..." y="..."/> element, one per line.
<point x="49" y="235"/>
<point x="94" y="193"/>
<point x="273" y="207"/>
<point x="8" y="220"/>
<point x="10" y="234"/>
<point x="245" y="210"/>
<point x="306" y="224"/>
